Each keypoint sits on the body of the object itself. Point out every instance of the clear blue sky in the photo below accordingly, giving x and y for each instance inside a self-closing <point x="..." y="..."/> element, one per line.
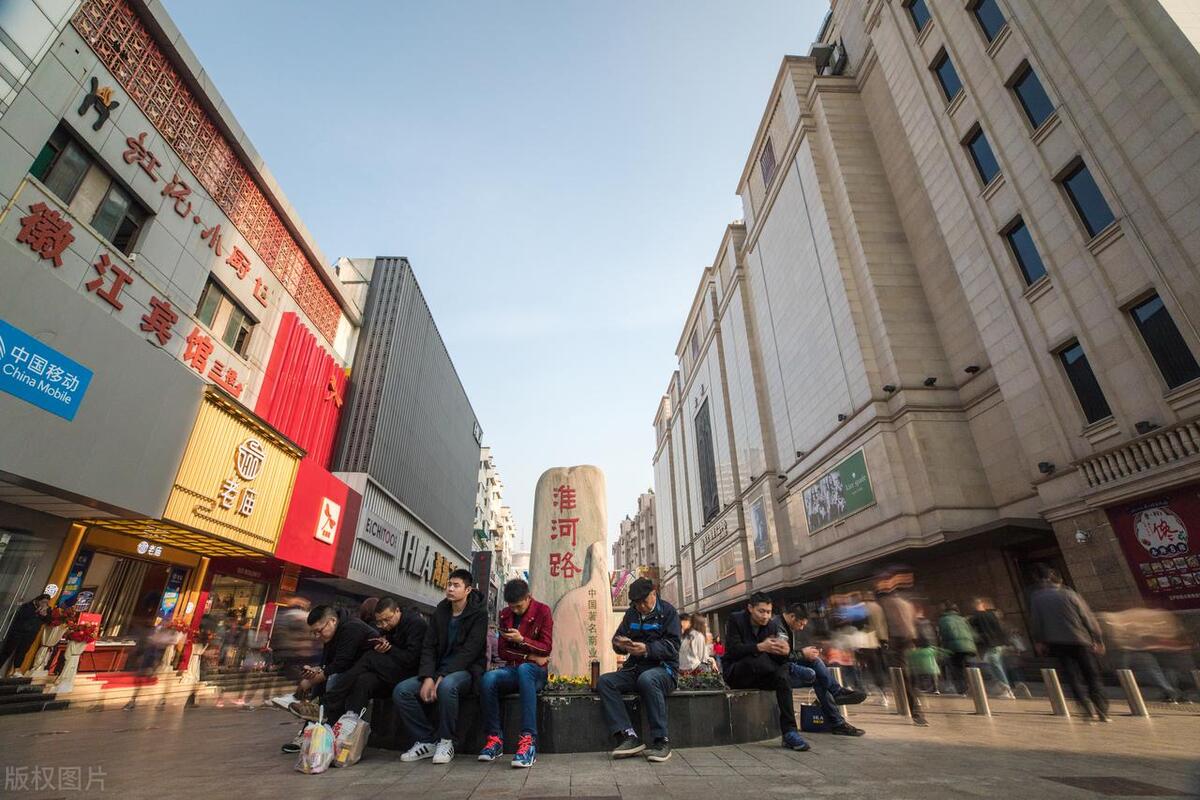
<point x="557" y="171"/>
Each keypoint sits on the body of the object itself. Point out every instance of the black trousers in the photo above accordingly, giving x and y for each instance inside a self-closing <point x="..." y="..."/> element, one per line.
<point x="765" y="673"/>
<point x="1076" y="661"/>
<point x="16" y="644"/>
<point x="358" y="686"/>
<point x="897" y="656"/>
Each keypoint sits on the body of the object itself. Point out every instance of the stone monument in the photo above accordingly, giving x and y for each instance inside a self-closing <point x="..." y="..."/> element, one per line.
<point x="568" y="567"/>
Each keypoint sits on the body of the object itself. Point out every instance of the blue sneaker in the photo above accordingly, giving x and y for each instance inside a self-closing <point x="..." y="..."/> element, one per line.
<point x="526" y="752"/>
<point x="493" y="748"/>
<point x="792" y="740"/>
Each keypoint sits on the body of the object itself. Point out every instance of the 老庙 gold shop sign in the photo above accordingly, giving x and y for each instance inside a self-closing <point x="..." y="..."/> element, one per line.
<point x="236" y="477"/>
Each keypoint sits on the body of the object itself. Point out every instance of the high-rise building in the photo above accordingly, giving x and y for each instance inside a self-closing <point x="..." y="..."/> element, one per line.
<point x="958" y="326"/>
<point x="637" y="543"/>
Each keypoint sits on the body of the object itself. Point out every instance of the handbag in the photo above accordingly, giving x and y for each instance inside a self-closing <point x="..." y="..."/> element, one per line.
<point x="812" y="719"/>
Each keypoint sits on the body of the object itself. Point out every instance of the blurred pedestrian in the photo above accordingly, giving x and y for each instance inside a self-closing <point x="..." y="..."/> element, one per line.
<point x="1065" y="629"/>
<point x="26" y="624"/>
<point x="925" y="662"/>
<point x="992" y="639"/>
<point x="693" y="652"/>
<point x="901" y="616"/>
<point x="957" y="638"/>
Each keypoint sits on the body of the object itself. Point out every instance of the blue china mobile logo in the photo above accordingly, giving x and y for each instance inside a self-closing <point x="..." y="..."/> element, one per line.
<point x="39" y="374"/>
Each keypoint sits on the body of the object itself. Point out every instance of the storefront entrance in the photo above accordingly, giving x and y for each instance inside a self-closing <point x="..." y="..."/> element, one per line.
<point x="233" y="616"/>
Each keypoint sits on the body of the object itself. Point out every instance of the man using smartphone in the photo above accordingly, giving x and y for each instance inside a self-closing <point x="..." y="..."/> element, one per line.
<point x="649" y="635"/>
<point x="526" y="639"/>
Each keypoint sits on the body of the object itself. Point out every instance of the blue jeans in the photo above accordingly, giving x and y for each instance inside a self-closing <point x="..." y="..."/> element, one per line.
<point x="652" y="684"/>
<point x="407" y="697"/>
<point x="994" y="657"/>
<point x="527" y="679"/>
<point x="814" y="673"/>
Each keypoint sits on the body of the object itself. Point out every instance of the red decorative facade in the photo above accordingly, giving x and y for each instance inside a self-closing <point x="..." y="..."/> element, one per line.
<point x="118" y="36"/>
<point x="302" y="390"/>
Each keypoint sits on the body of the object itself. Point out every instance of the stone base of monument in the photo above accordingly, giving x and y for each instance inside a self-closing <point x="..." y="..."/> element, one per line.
<point x="574" y="723"/>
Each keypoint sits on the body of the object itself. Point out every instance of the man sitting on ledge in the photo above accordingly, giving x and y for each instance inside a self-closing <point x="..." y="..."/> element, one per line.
<point x="807" y="669"/>
<point x="756" y="657"/>
<point x="649" y="633"/>
<point x="526" y="638"/>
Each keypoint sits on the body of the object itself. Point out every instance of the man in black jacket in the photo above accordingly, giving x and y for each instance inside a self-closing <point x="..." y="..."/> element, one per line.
<point x="649" y="635"/>
<point x="453" y="657"/>
<point x="344" y="639"/>
<point x="26" y="624"/>
<point x="756" y="657"/>
<point x="395" y="657"/>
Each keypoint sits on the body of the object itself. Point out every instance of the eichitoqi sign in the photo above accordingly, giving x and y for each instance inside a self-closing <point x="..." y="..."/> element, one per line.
<point x="568" y="567"/>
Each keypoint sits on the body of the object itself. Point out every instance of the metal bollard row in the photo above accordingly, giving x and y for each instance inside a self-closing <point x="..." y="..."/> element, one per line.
<point x="898" y="692"/>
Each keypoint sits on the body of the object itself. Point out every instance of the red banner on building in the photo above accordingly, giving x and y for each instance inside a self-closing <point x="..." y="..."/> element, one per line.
<point x="1155" y="535"/>
<point x="319" y="529"/>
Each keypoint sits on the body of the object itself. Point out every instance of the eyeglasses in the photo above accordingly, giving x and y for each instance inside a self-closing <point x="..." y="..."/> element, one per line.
<point x="320" y="629"/>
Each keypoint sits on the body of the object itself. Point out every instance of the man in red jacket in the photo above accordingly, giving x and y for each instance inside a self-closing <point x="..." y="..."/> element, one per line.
<point x="526" y="637"/>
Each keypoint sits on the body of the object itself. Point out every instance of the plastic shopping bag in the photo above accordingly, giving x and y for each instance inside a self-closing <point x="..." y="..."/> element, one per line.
<point x="350" y="739"/>
<point x="316" y="752"/>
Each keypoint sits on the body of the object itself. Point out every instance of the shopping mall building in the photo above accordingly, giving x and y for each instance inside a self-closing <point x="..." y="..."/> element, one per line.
<point x="958" y="326"/>
<point x="176" y="359"/>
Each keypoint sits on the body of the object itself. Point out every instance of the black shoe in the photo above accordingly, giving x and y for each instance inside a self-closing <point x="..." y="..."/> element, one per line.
<point x="629" y="746"/>
<point x="290" y="748"/>
<point x="849" y="697"/>
<point x="920" y="722"/>
<point x="659" y="751"/>
<point x="846" y="729"/>
<point x="1102" y="716"/>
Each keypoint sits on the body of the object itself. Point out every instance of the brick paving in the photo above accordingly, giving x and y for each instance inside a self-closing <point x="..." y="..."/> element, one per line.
<point x="1020" y="752"/>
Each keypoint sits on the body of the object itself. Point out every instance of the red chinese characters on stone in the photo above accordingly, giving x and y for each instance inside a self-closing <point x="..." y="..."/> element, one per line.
<point x="137" y="152"/>
<point x="563" y="565"/>
<point x="239" y="261"/>
<point x="179" y="191"/>
<point x="199" y="348"/>
<point x="260" y="291"/>
<point x="160" y="320"/>
<point x="226" y="378"/>
<point x="562" y="528"/>
<point x="120" y="279"/>
<point x="46" y="232"/>
<point x="564" y="497"/>
<point x="213" y="236"/>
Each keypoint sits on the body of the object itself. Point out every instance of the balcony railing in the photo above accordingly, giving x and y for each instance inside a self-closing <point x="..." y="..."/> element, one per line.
<point x="1155" y="449"/>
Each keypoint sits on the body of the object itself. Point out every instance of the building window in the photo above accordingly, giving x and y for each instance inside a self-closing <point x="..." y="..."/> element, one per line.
<point x="989" y="17"/>
<point x="89" y="192"/>
<point x="1085" y="196"/>
<point x="709" y="500"/>
<point x="695" y="345"/>
<point x="1032" y="97"/>
<point x="982" y="156"/>
<point x="1175" y="361"/>
<point x="1024" y="251"/>
<point x="919" y="13"/>
<point x="947" y="76"/>
<point x="1083" y="381"/>
<point x="766" y="162"/>
<point x="220" y="313"/>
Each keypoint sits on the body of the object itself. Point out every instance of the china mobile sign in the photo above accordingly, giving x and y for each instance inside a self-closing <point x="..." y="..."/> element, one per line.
<point x="39" y="374"/>
<point x="1155" y="535"/>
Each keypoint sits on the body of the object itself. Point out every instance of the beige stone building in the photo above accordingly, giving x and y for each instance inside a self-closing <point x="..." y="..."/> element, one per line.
<point x="958" y="325"/>
<point x="637" y="544"/>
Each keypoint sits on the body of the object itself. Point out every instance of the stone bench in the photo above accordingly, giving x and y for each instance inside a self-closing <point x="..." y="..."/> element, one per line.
<point x="574" y="723"/>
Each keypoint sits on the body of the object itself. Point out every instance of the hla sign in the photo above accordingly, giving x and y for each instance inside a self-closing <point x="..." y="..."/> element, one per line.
<point x="39" y="374"/>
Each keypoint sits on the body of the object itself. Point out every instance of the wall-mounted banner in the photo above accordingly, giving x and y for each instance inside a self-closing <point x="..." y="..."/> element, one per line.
<point x="1154" y="535"/>
<point x="39" y="374"/>
<point x="838" y="493"/>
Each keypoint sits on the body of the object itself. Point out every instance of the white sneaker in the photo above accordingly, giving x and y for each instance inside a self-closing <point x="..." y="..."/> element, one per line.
<point x="284" y="700"/>
<point x="445" y="752"/>
<point x="419" y="751"/>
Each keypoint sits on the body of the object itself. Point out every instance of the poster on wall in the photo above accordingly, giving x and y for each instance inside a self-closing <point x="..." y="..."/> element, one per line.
<point x="838" y="493"/>
<point x="762" y="539"/>
<point x="1155" y="536"/>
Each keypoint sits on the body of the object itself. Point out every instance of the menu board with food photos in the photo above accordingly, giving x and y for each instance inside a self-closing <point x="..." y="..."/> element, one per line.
<point x="1154" y="536"/>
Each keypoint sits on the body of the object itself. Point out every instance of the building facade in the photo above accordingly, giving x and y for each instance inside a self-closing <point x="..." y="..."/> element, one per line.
<point x="637" y="543"/>
<point x="958" y="326"/>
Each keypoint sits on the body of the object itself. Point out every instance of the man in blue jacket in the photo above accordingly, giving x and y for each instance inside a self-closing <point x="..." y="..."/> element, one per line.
<point x="649" y="636"/>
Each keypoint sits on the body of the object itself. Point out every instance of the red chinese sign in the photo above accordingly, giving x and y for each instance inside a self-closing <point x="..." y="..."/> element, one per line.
<point x="1154" y="535"/>
<point x="562" y="562"/>
<point x="46" y="232"/>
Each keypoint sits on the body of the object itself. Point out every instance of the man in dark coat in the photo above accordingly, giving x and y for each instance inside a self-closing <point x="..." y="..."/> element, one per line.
<point x="395" y="656"/>
<point x="26" y="625"/>
<point x="453" y="657"/>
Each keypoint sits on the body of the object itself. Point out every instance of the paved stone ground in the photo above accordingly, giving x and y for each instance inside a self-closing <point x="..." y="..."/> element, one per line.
<point x="205" y="752"/>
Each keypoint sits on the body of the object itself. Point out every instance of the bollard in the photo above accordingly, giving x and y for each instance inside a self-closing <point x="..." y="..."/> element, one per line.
<point x="899" y="693"/>
<point x="978" y="691"/>
<point x="835" y="673"/>
<point x="1058" y="703"/>
<point x="1137" y="706"/>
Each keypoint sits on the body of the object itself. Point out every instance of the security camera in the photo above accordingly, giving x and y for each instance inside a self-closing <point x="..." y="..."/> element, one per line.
<point x="1082" y="536"/>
